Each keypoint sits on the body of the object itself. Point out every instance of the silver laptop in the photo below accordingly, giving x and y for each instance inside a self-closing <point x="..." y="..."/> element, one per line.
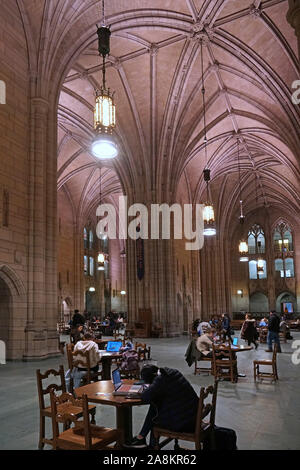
<point x="124" y="389"/>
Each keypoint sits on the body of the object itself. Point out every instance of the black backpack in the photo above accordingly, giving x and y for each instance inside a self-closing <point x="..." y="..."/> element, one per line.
<point x="225" y="439"/>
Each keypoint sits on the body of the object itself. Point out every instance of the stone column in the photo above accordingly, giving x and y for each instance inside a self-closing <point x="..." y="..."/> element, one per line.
<point x="41" y="339"/>
<point x="293" y="17"/>
<point x="157" y="288"/>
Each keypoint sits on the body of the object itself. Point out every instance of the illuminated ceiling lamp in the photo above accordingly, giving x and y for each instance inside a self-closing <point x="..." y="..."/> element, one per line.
<point x="243" y="245"/>
<point x="104" y="145"/>
<point x="208" y="211"/>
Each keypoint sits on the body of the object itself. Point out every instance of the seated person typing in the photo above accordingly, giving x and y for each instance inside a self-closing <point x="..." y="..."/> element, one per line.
<point x="204" y="343"/>
<point x="87" y="344"/>
<point x="173" y="404"/>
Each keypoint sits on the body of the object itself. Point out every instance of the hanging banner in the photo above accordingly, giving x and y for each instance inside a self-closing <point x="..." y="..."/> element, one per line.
<point x="140" y="258"/>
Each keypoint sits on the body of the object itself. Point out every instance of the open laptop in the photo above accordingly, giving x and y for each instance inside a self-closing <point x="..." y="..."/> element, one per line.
<point x="124" y="389"/>
<point x="113" y="346"/>
<point x="235" y="341"/>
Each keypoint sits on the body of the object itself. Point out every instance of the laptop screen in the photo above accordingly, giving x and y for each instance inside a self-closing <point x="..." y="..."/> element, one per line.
<point x="113" y="346"/>
<point x="235" y="341"/>
<point x="116" y="376"/>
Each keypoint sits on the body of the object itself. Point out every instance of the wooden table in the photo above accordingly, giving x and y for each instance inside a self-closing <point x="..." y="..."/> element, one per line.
<point x="101" y="392"/>
<point x="237" y="349"/>
<point x="106" y="359"/>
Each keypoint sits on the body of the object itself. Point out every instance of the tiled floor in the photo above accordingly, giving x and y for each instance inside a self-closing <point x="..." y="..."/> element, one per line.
<point x="264" y="415"/>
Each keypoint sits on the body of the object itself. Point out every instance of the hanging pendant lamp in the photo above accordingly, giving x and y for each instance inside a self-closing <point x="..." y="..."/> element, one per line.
<point x="104" y="145"/>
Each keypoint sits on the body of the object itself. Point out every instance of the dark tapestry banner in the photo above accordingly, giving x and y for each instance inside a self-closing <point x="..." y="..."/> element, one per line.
<point x="140" y="258"/>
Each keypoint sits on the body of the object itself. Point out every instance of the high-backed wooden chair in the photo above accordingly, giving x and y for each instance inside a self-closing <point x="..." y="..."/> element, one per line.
<point x="258" y="374"/>
<point x="263" y="333"/>
<point x="45" y="411"/>
<point x="205" y="422"/>
<point x="84" y="435"/>
<point x="82" y="359"/>
<point x="224" y="363"/>
<point x="144" y="352"/>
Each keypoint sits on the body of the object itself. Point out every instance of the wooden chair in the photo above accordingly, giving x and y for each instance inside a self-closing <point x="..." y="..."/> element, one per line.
<point x="273" y="363"/>
<point x="282" y="336"/>
<point x="203" y="428"/>
<point x="224" y="363"/>
<point x="144" y="352"/>
<point x="82" y="359"/>
<point x="45" y="412"/>
<point x="263" y="333"/>
<point x="84" y="435"/>
<point x="208" y="369"/>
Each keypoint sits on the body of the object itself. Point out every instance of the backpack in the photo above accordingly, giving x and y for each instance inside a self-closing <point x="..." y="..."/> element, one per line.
<point x="225" y="439"/>
<point x="130" y="360"/>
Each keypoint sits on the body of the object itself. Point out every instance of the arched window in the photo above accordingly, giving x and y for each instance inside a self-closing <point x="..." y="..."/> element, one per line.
<point x="85" y="265"/>
<point x="256" y="240"/>
<point x="255" y="273"/>
<point x="91" y="240"/>
<point x="282" y="238"/>
<point x="279" y="266"/>
<point x="85" y="238"/>
<point x="289" y="267"/>
<point x="91" y="266"/>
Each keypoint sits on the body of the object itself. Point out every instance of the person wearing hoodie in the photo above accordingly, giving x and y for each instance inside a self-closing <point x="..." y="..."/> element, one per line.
<point x="249" y="331"/>
<point x="87" y="344"/>
<point x="173" y="404"/>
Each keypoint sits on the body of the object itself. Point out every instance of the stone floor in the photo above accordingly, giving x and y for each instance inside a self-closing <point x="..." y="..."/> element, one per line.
<point x="265" y="416"/>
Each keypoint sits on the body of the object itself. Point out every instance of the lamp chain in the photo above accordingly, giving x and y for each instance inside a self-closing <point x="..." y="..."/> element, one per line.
<point x="204" y="104"/>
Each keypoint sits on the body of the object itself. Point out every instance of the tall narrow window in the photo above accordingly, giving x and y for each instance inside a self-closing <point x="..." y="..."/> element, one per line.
<point x="91" y="239"/>
<point x="5" y="208"/>
<point x="85" y="238"/>
<point x="256" y="240"/>
<point x="85" y="265"/>
<point x="91" y="266"/>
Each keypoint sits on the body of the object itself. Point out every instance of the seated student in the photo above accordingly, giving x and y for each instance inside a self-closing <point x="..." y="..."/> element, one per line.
<point x="204" y="343"/>
<point x="173" y="404"/>
<point x="284" y="328"/>
<point x="263" y="322"/>
<point x="87" y="344"/>
<point x="77" y="319"/>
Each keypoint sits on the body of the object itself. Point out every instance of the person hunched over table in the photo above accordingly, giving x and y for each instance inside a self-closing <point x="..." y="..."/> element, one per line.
<point x="173" y="404"/>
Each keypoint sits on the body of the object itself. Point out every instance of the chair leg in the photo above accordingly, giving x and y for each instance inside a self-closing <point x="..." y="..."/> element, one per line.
<point x="42" y="432"/>
<point x="176" y="445"/>
<point x="93" y="414"/>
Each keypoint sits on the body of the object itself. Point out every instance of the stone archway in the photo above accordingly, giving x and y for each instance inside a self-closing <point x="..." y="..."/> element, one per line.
<point x="283" y="299"/>
<point x="259" y="303"/>
<point x="12" y="313"/>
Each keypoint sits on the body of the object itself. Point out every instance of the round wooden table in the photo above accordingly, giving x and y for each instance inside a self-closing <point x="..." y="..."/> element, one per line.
<point x="102" y="393"/>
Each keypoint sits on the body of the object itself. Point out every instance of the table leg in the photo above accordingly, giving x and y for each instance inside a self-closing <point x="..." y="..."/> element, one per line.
<point x="106" y="369"/>
<point x="124" y="423"/>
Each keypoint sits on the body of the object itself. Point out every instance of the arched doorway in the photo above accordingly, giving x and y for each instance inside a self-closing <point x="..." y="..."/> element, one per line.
<point x="5" y="314"/>
<point x="286" y="303"/>
<point x="259" y="303"/>
<point x="66" y="310"/>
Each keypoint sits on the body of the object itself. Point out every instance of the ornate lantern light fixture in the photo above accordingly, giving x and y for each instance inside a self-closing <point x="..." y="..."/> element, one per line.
<point x="243" y="245"/>
<point x="104" y="145"/>
<point x="208" y="211"/>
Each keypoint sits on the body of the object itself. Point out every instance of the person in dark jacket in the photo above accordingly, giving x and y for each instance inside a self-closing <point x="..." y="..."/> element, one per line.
<point x="273" y="331"/>
<point x="77" y="319"/>
<point x="173" y="403"/>
<point x="249" y="331"/>
<point x="226" y="328"/>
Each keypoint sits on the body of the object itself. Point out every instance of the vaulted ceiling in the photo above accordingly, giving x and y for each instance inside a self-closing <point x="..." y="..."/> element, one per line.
<point x="250" y="62"/>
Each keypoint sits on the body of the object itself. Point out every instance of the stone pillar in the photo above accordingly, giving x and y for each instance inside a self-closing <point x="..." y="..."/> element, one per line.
<point x="293" y="17"/>
<point x="157" y="289"/>
<point x="41" y="339"/>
